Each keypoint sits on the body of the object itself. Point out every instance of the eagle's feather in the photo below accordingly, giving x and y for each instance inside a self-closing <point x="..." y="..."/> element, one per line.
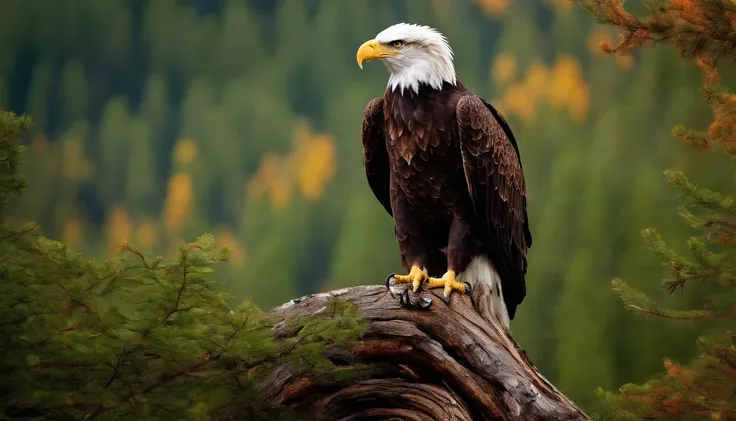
<point x="445" y="165"/>
<point x="497" y="189"/>
<point x="452" y="148"/>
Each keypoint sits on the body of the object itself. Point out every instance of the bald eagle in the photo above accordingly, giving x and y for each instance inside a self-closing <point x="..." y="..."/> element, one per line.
<point x="444" y="164"/>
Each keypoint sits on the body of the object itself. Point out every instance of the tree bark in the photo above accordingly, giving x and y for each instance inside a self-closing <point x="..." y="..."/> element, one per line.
<point x="437" y="361"/>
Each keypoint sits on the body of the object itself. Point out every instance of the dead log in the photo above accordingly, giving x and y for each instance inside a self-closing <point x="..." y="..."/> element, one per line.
<point x="448" y="361"/>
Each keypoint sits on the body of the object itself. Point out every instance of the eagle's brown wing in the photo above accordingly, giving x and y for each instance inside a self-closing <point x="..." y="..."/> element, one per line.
<point x="375" y="156"/>
<point x="497" y="189"/>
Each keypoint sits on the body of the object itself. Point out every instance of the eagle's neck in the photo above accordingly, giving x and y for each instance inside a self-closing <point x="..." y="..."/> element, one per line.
<point x="434" y="73"/>
<point x="423" y="92"/>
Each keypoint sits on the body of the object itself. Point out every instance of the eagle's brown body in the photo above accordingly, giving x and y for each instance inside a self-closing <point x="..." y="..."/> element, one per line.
<point x="445" y="165"/>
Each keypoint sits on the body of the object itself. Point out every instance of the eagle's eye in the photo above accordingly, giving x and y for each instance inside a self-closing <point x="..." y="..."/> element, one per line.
<point x="397" y="43"/>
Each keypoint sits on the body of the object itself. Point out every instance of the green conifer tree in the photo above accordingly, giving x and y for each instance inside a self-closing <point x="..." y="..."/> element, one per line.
<point x="140" y="337"/>
<point x="701" y="31"/>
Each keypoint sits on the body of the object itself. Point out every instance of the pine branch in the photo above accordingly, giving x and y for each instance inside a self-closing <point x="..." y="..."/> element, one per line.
<point x="695" y="28"/>
<point x="184" y="266"/>
<point x="198" y="346"/>
<point x="703" y="31"/>
<point x="701" y="196"/>
<point x="641" y="302"/>
<point x="12" y="127"/>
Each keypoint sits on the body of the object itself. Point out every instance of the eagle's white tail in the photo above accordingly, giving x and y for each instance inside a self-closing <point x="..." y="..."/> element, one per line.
<point x="481" y="271"/>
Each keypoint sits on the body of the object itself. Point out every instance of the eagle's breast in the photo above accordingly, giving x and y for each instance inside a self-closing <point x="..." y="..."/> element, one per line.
<point x="421" y="139"/>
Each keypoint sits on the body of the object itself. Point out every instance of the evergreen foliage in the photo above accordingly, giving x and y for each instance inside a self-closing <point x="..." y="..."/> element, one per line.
<point x="703" y="31"/>
<point x="199" y="114"/>
<point x="11" y="184"/>
<point x="139" y="337"/>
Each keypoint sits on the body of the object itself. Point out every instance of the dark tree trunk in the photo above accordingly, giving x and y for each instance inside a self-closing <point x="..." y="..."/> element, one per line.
<point x="450" y="361"/>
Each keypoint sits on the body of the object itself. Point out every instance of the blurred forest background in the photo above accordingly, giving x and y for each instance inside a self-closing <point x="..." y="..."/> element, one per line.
<point x="156" y="121"/>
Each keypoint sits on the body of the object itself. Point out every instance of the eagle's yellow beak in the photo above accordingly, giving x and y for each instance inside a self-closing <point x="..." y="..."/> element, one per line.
<point x="373" y="50"/>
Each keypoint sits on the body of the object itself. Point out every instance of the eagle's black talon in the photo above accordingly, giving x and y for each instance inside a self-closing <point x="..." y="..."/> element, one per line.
<point x="404" y="299"/>
<point x="388" y="281"/>
<point x="389" y="287"/>
<point x="414" y="301"/>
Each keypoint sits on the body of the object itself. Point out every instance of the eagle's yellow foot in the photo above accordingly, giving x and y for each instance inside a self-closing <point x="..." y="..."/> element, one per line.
<point x="415" y="277"/>
<point x="449" y="282"/>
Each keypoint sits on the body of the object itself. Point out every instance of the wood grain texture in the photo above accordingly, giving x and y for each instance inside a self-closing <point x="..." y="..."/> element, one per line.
<point x="450" y="361"/>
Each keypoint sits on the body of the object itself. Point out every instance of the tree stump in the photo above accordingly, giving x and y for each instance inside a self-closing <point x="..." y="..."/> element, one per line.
<point x="438" y="361"/>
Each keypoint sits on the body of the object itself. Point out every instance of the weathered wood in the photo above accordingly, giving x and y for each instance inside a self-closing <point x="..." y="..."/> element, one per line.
<point x="450" y="361"/>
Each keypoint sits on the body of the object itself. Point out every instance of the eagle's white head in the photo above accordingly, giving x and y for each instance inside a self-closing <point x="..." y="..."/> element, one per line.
<point x="413" y="54"/>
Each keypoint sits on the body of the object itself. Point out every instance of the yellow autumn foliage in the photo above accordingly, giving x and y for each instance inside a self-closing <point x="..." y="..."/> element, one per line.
<point x="562" y="86"/>
<point x="566" y="75"/>
<point x="178" y="201"/>
<point x="185" y="151"/>
<point x="570" y="89"/>
<point x="523" y="98"/>
<point x="272" y="178"/>
<point x="536" y="79"/>
<point x="503" y="69"/>
<point x="226" y="238"/>
<point x="75" y="164"/>
<point x="309" y="166"/>
<point x="118" y="228"/>
<point x="313" y="160"/>
<point x="315" y="164"/>
<point x="494" y="7"/>
<point x="519" y="99"/>
<point x="579" y="103"/>
<point x="267" y="172"/>
<point x="72" y="230"/>
<point x="280" y="192"/>
<point x="146" y="234"/>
